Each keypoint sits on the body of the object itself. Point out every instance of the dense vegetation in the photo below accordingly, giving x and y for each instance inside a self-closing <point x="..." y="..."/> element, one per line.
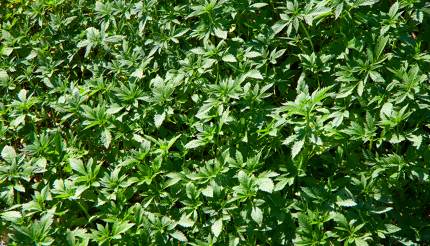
<point x="222" y="122"/>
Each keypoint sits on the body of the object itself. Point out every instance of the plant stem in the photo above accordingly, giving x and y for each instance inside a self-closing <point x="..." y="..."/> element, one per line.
<point x="307" y="35"/>
<point x="217" y="72"/>
<point x="84" y="210"/>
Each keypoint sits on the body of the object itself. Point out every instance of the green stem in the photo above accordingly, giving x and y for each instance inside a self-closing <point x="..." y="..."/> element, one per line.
<point x="266" y="68"/>
<point x="299" y="167"/>
<point x="217" y="72"/>
<point x="210" y="18"/>
<point x="84" y="210"/>
<point x="398" y="144"/>
<point x="307" y="120"/>
<point x="307" y="35"/>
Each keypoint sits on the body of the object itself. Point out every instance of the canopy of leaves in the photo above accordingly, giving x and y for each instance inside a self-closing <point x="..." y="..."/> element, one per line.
<point x="214" y="122"/>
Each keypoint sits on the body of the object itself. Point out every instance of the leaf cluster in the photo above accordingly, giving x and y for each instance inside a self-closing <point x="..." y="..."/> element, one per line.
<point x="214" y="122"/>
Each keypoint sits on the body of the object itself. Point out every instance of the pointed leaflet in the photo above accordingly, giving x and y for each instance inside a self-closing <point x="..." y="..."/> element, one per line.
<point x="346" y="203"/>
<point x="390" y="228"/>
<point x="22" y="95"/>
<point x="367" y="2"/>
<point x="208" y="191"/>
<point x="257" y="215"/>
<point x="375" y="76"/>
<point x="11" y="216"/>
<point x="174" y="178"/>
<point x="3" y="76"/>
<point x="217" y="227"/>
<point x="321" y="94"/>
<point x="220" y="33"/>
<point x="393" y="9"/>
<point x="360" y="242"/>
<point x="121" y="227"/>
<point x="338" y="10"/>
<point x="179" y="236"/>
<point x="229" y="58"/>
<point x="297" y="147"/>
<point x="8" y="153"/>
<point x="380" y="45"/>
<point x="318" y="12"/>
<point x="279" y="26"/>
<point x="185" y="221"/>
<point x="266" y="184"/>
<point x="416" y="140"/>
<point x="159" y="119"/>
<point x="77" y="166"/>
<point x="255" y="74"/>
<point x="106" y="138"/>
<point x="386" y="110"/>
<point x="283" y="182"/>
<point x="194" y="144"/>
<point x="360" y="88"/>
<point x="302" y="87"/>
<point x="252" y="54"/>
<point x="138" y="73"/>
<point x="258" y="5"/>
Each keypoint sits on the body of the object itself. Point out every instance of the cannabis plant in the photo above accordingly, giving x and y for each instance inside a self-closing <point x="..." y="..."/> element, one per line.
<point x="214" y="122"/>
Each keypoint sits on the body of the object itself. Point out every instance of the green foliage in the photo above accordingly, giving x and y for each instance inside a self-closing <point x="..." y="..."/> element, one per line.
<point x="214" y="122"/>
